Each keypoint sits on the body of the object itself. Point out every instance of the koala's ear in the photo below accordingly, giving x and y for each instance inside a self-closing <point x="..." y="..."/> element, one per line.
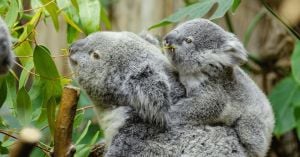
<point x="236" y="52"/>
<point x="150" y="38"/>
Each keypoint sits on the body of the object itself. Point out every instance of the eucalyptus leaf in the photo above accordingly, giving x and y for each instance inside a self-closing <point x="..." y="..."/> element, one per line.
<point x="52" y="9"/>
<point x="12" y="13"/>
<point x="84" y="132"/>
<point x="295" y="59"/>
<point x="281" y="98"/>
<point x="197" y="10"/>
<point x="24" y="109"/>
<point x="235" y="5"/>
<point x="89" y="11"/>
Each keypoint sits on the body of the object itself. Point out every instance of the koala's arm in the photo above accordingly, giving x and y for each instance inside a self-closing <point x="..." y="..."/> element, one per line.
<point x="149" y="94"/>
<point x="204" y="109"/>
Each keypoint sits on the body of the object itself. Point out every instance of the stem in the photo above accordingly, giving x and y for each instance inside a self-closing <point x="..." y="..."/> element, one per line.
<point x="84" y="108"/>
<point x="252" y="25"/>
<point x="229" y="22"/>
<point x="291" y="30"/>
<point x="45" y="5"/>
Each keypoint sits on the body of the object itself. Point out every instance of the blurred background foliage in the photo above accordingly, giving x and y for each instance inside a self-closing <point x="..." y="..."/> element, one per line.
<point x="43" y="29"/>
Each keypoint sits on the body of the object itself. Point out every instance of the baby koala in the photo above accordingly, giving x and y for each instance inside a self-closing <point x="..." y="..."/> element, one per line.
<point x="218" y="91"/>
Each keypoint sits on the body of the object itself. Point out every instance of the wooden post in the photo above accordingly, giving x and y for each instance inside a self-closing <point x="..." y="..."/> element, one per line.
<point x="64" y="123"/>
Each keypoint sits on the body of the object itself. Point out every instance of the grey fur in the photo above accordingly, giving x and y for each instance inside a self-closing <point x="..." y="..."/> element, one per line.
<point x="134" y="89"/>
<point x="218" y="91"/>
<point x="6" y="55"/>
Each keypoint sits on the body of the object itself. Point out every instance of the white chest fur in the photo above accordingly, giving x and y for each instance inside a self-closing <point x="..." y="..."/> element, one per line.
<point x="111" y="120"/>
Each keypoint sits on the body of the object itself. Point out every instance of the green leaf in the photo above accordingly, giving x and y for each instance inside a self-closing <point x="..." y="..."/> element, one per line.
<point x="223" y="7"/>
<point x="281" y="98"/>
<point x="24" y="109"/>
<point x="3" y="6"/>
<point x="11" y="91"/>
<point x="95" y="138"/>
<point x="78" y="119"/>
<point x="89" y="11"/>
<point x="44" y="64"/>
<point x="52" y="9"/>
<point x="24" y="49"/>
<point x="70" y="22"/>
<point x="48" y="72"/>
<point x="3" y="91"/>
<point x="197" y="10"/>
<point x="104" y="18"/>
<point x="235" y="5"/>
<point x="259" y="16"/>
<point x="12" y="13"/>
<point x="83" y="133"/>
<point x="25" y="74"/>
<point x="295" y="59"/>
<point x="75" y="4"/>
<point x="83" y="150"/>
<point x="71" y="34"/>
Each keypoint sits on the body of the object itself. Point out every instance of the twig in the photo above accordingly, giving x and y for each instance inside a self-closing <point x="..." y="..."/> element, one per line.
<point x="229" y="22"/>
<point x="64" y="123"/>
<point x="15" y="137"/>
<point x="29" y="138"/>
<point x="55" y="56"/>
<point x="84" y="108"/>
<point x="266" y="5"/>
<point x="38" y="7"/>
<point x="29" y="34"/>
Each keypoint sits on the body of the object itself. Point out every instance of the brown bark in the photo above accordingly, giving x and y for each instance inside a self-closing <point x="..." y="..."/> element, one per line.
<point x="64" y="123"/>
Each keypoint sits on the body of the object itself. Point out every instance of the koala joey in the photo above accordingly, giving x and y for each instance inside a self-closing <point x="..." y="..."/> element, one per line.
<point x="6" y="55"/>
<point x="134" y="88"/>
<point x="218" y="91"/>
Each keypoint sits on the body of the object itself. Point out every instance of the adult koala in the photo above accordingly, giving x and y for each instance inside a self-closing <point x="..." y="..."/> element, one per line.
<point x="134" y="87"/>
<point x="6" y="55"/>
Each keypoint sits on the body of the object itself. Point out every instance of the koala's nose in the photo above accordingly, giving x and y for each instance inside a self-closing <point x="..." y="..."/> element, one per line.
<point x="170" y="38"/>
<point x="76" y="46"/>
<point x="73" y="60"/>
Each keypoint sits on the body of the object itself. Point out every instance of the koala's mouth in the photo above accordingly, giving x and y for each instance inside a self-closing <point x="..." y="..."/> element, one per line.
<point x="169" y="48"/>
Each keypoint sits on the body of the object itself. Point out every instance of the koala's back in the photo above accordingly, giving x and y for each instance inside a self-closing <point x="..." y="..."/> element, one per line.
<point x="253" y="101"/>
<point x="139" y="139"/>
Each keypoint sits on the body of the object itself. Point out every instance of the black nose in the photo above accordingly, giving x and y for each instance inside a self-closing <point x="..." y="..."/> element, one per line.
<point x="5" y="63"/>
<point x="170" y="38"/>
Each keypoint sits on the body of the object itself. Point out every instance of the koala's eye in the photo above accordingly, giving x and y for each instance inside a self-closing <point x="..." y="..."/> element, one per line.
<point x="95" y="55"/>
<point x="188" y="40"/>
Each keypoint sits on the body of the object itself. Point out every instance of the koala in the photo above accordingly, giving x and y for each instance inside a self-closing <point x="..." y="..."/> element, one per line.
<point x="218" y="91"/>
<point x="134" y="88"/>
<point x="6" y="55"/>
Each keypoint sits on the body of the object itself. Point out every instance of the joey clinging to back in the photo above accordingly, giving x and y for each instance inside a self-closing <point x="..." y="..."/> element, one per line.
<point x="218" y="91"/>
<point x="6" y="57"/>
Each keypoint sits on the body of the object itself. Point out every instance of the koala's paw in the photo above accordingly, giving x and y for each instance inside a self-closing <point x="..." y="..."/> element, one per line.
<point x="149" y="95"/>
<point x="98" y="150"/>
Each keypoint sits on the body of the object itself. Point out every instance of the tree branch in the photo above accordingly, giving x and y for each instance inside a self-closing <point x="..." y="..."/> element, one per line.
<point x="64" y="123"/>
